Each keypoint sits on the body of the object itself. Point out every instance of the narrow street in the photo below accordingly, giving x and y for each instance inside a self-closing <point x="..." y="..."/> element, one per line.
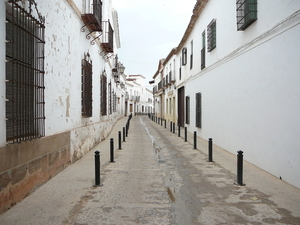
<point x="157" y="178"/>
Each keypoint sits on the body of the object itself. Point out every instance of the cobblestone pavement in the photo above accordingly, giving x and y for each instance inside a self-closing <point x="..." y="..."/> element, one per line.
<point x="157" y="178"/>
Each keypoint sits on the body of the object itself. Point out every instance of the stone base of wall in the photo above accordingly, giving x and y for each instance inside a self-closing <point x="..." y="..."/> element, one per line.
<point x="27" y="165"/>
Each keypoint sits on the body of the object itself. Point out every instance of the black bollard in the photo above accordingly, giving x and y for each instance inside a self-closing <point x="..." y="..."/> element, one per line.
<point x="124" y="133"/>
<point x="240" y="168"/>
<point x="97" y="169"/>
<point x="185" y="134"/>
<point x="165" y="123"/>
<point x="210" y="146"/>
<point x="120" y="140"/>
<point x="112" y="150"/>
<point x="195" y="139"/>
<point x="178" y="130"/>
<point x="173" y="128"/>
<point x="126" y="129"/>
<point x="161" y="121"/>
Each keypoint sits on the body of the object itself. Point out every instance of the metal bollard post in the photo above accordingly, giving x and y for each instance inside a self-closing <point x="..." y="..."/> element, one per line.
<point x="120" y="140"/>
<point x="178" y="130"/>
<point x="97" y="169"/>
<point x="173" y="128"/>
<point x="126" y="129"/>
<point x="185" y="134"/>
<point x="195" y="139"/>
<point x="165" y="123"/>
<point x="161" y="121"/>
<point x="240" y="168"/>
<point x="112" y="150"/>
<point x="210" y="146"/>
<point x="124" y="133"/>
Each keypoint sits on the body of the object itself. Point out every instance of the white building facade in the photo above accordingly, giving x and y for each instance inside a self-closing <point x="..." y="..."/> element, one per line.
<point x="240" y="74"/>
<point x="139" y="98"/>
<point x="60" y="87"/>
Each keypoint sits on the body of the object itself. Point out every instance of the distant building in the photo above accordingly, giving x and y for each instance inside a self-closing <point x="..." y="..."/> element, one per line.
<point x="237" y="81"/>
<point x="139" y="98"/>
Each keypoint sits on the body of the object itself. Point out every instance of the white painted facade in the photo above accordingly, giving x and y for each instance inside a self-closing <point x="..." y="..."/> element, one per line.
<point x="65" y="47"/>
<point x="250" y="84"/>
<point x="140" y="99"/>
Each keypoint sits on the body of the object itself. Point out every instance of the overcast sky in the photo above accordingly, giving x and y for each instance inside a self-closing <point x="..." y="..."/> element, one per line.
<point x="149" y="29"/>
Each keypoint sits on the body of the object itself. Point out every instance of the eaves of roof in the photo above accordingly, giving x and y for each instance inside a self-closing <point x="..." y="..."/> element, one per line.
<point x="199" y="6"/>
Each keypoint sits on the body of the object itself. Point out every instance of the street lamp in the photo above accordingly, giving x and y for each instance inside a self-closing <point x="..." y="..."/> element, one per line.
<point x="121" y="68"/>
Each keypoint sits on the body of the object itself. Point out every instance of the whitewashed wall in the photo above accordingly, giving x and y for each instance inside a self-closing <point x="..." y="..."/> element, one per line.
<point x="251" y="98"/>
<point x="65" y="47"/>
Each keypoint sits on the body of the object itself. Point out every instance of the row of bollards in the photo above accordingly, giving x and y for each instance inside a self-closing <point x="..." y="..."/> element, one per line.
<point x="210" y="146"/>
<point x="112" y="160"/>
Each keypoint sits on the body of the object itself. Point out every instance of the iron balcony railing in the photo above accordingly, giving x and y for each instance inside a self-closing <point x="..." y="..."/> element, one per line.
<point x="107" y="37"/>
<point x="92" y="15"/>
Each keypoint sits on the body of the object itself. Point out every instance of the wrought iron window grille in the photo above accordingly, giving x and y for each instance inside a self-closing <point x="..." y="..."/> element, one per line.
<point x="103" y="93"/>
<point x="87" y="86"/>
<point x="25" y="102"/>
<point x="246" y="13"/>
<point x="211" y="35"/>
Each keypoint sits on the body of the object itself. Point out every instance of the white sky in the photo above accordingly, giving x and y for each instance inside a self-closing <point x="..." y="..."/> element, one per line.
<point x="149" y="29"/>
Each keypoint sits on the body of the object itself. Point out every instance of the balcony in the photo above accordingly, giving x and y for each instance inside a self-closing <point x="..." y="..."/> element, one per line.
<point x="92" y="16"/>
<point x="107" y="38"/>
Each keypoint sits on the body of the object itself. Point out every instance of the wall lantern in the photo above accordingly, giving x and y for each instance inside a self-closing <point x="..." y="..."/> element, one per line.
<point x="121" y="68"/>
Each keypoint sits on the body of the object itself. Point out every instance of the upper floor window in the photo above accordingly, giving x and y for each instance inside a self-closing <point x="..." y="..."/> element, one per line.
<point x="211" y="35"/>
<point x="191" y="56"/>
<point x="184" y="56"/>
<point x="246" y="13"/>
<point x="87" y="86"/>
<point x="203" y="51"/>
<point x="25" y="104"/>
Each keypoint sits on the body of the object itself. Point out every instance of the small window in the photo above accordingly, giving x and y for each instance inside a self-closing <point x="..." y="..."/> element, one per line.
<point x="246" y="13"/>
<point x="191" y="56"/>
<point x="184" y="56"/>
<point x="211" y="36"/>
<point x="87" y="86"/>
<point x="203" y="51"/>
<point x="187" y="108"/>
<point x="198" y="110"/>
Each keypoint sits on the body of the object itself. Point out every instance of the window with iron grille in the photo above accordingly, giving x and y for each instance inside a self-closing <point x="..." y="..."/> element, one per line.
<point x="109" y="99"/>
<point x="103" y="93"/>
<point x="191" y="56"/>
<point x="25" y="102"/>
<point x="246" y="13"/>
<point x="203" y="51"/>
<point x="198" y="110"/>
<point x="180" y="69"/>
<point x="211" y="36"/>
<point x="87" y="86"/>
<point x="184" y="56"/>
<point x="187" y="108"/>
